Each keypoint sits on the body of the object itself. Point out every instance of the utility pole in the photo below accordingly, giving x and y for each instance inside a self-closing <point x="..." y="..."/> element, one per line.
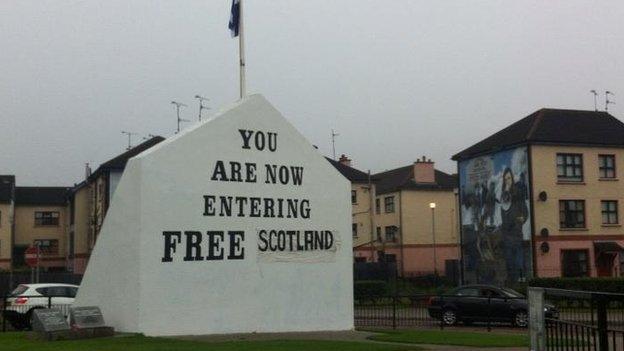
<point x="129" y="134"/>
<point x="333" y="138"/>
<point x="595" y="99"/>
<point x="607" y="101"/>
<point x="435" y="259"/>
<point x="178" y="105"/>
<point x="201" y="105"/>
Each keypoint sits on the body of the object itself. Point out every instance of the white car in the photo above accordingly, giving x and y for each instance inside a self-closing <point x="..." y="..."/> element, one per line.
<point x="28" y="297"/>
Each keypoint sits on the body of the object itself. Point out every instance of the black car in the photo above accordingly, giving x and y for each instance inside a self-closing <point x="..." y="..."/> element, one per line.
<point x="482" y="303"/>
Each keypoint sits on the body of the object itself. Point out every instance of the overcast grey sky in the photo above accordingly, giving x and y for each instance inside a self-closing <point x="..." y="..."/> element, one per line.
<point x="397" y="79"/>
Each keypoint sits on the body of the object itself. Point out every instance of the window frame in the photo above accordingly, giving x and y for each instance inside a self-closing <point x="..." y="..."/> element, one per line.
<point x="605" y="167"/>
<point x="389" y="204"/>
<point x="566" y="212"/>
<point x="48" y="248"/>
<point x="609" y="211"/>
<point x="354" y="229"/>
<point x="353" y="197"/>
<point x="566" y="265"/>
<point x="378" y="205"/>
<point x="564" y="176"/>
<point x="390" y="233"/>
<point x="43" y="220"/>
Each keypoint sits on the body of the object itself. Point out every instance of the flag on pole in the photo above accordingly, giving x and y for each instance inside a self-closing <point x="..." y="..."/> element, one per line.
<point x="234" y="18"/>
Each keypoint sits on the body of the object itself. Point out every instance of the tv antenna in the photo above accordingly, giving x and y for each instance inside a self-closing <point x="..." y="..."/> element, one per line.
<point x="333" y="137"/>
<point x="201" y="104"/>
<point x="595" y="99"/>
<point x="607" y="101"/>
<point x="178" y="105"/>
<point x="129" y="134"/>
<point x="149" y="136"/>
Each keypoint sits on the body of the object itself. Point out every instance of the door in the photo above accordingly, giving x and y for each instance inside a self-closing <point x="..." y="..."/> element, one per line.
<point x="468" y="302"/>
<point x="604" y="264"/>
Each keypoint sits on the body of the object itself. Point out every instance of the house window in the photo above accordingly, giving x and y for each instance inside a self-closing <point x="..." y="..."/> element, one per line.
<point x="390" y="258"/>
<point x="353" y="196"/>
<point x="354" y="227"/>
<point x="570" y="167"/>
<point x="572" y="214"/>
<point x="391" y="233"/>
<point x="609" y="212"/>
<point x="606" y="166"/>
<point x="389" y="204"/>
<point x="377" y="206"/>
<point x="574" y="263"/>
<point x="46" y="218"/>
<point x="378" y="233"/>
<point x="47" y="247"/>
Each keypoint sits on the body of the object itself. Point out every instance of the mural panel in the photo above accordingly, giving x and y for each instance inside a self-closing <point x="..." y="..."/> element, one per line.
<point x="495" y="218"/>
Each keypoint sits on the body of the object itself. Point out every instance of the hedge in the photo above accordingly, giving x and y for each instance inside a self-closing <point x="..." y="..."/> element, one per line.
<point x="370" y="288"/>
<point x="608" y="285"/>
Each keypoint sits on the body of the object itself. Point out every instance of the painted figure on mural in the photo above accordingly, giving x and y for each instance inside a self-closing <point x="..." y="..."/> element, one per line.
<point x="495" y="215"/>
<point x="514" y="213"/>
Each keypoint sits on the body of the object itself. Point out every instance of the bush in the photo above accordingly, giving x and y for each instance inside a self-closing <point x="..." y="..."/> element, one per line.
<point x="370" y="288"/>
<point x="608" y="285"/>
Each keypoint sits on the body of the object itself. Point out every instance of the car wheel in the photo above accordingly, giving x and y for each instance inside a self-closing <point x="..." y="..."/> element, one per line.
<point x="521" y="319"/>
<point x="449" y="317"/>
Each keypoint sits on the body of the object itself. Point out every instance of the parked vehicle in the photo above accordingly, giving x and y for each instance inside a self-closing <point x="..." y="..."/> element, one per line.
<point x="482" y="303"/>
<point x="22" y="301"/>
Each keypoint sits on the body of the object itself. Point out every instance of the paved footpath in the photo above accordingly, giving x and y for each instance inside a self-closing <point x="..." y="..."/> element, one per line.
<point x="361" y="336"/>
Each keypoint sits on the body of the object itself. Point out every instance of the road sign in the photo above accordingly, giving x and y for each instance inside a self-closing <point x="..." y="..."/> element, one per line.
<point x="30" y="256"/>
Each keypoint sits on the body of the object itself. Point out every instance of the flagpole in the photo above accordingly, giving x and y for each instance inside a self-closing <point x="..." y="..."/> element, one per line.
<point x="241" y="49"/>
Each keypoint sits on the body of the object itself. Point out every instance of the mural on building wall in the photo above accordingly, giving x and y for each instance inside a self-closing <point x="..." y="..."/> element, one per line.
<point x="495" y="216"/>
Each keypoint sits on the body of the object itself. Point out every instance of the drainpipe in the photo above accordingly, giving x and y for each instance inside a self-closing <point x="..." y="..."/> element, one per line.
<point x="401" y="232"/>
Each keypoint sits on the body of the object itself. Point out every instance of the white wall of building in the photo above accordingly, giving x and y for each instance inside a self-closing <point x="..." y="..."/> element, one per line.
<point x="163" y="190"/>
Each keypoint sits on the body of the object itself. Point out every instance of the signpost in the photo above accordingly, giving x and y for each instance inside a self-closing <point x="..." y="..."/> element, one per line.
<point x="32" y="257"/>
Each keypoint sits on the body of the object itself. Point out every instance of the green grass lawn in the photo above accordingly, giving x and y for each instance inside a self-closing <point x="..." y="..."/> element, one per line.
<point x="452" y="337"/>
<point x="18" y="342"/>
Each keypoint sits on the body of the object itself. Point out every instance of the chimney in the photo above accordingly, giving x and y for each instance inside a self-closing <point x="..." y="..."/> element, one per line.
<point x="424" y="171"/>
<point x="87" y="171"/>
<point x="345" y="160"/>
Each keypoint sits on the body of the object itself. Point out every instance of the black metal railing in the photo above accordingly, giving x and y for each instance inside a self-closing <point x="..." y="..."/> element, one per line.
<point x="586" y="321"/>
<point x="16" y="311"/>
<point x="424" y="310"/>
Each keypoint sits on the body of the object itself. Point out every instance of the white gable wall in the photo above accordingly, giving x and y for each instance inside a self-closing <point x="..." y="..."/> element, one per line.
<point x="256" y="294"/>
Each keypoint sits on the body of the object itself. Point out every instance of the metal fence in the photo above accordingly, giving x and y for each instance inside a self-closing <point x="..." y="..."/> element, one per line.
<point x="16" y="312"/>
<point x="426" y="310"/>
<point x="586" y="321"/>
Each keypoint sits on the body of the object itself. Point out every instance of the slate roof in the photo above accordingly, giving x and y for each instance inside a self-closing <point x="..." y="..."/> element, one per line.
<point x="119" y="162"/>
<point x="354" y="175"/>
<point x="402" y="178"/>
<point x="553" y="126"/>
<point x="7" y="182"/>
<point x="41" y="195"/>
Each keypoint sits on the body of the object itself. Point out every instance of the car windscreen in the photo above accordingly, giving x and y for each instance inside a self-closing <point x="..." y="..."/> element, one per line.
<point x="19" y="290"/>
<point x="511" y="293"/>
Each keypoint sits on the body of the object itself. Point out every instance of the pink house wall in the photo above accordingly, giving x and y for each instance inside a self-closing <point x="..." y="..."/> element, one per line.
<point x="549" y="264"/>
<point x="418" y="258"/>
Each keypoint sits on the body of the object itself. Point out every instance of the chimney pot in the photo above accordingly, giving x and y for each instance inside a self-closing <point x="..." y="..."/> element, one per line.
<point x="345" y="160"/>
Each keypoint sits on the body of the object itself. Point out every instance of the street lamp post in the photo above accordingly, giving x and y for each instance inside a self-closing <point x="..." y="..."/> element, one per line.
<point x="432" y="205"/>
